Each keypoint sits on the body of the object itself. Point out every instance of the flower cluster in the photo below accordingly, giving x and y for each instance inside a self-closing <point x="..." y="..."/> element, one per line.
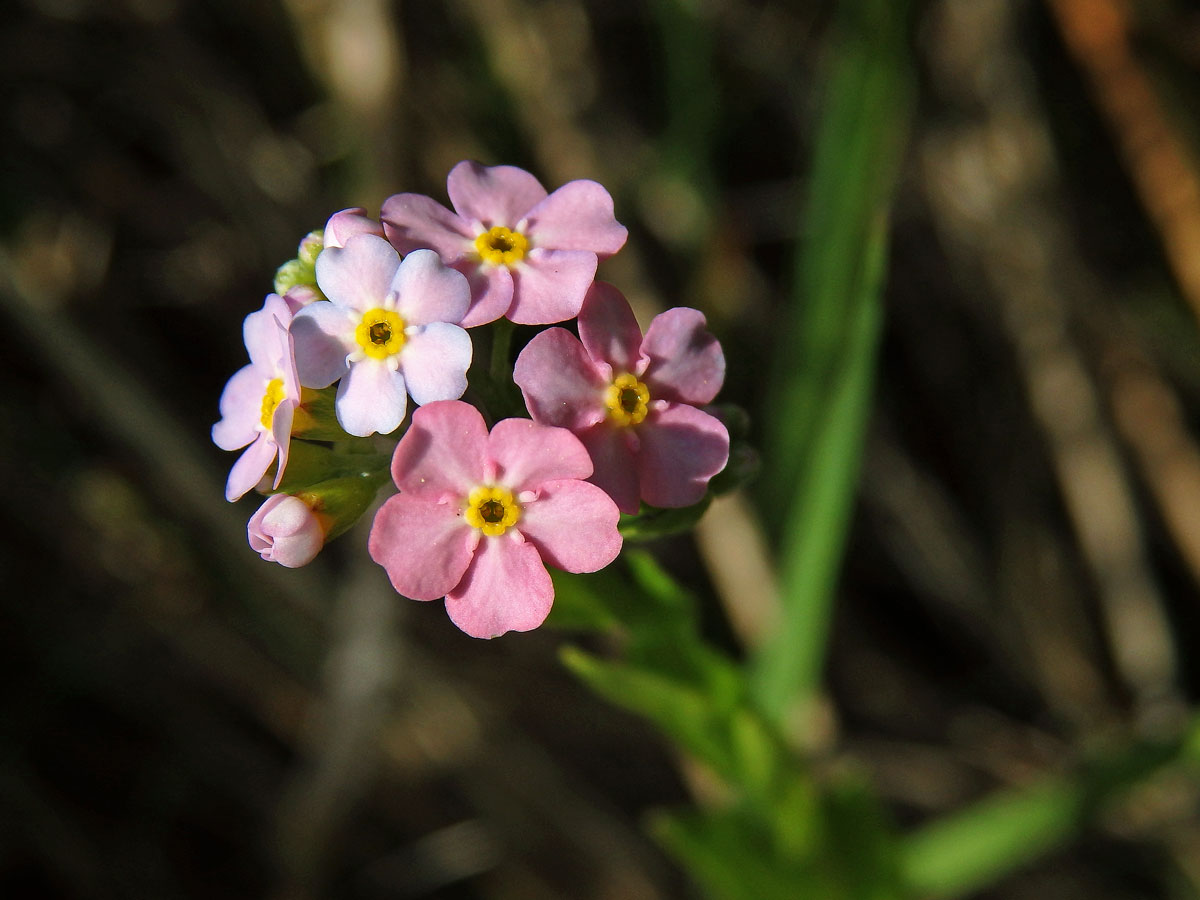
<point x="374" y="313"/>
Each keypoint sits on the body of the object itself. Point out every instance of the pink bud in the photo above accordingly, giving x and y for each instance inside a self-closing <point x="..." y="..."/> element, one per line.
<point x="346" y="224"/>
<point x="299" y="296"/>
<point x="285" y="530"/>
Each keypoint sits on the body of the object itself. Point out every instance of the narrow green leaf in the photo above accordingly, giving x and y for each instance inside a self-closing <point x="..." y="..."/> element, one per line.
<point x="827" y="357"/>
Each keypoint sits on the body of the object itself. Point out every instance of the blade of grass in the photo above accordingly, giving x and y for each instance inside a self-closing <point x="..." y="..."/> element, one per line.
<point x="969" y="850"/>
<point x="826" y="362"/>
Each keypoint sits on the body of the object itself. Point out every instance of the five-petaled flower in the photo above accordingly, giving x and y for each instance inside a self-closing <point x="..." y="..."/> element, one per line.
<point x="478" y="516"/>
<point x="389" y="330"/>
<point x="529" y="255"/>
<point x="260" y="400"/>
<point x="632" y="400"/>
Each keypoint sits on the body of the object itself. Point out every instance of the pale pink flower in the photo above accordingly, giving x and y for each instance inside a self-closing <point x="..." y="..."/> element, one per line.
<point x="286" y="530"/>
<point x="528" y="255"/>
<point x="345" y="224"/>
<point x="388" y="331"/>
<point x="259" y="401"/>
<point x="632" y="400"/>
<point x="479" y="515"/>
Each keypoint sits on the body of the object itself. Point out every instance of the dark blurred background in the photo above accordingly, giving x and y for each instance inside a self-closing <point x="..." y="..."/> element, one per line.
<point x="179" y="719"/>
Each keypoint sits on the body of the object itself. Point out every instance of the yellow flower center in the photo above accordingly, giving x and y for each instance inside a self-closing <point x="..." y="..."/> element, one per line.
<point x="627" y="399"/>
<point x="380" y="333"/>
<point x="272" y="397"/>
<point x="501" y="246"/>
<point x="492" y="510"/>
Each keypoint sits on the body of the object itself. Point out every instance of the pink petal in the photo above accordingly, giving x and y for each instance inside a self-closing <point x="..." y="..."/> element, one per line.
<point x="549" y="286"/>
<point x="527" y="454"/>
<point x="681" y="449"/>
<point x="414" y="221"/>
<point x="560" y="383"/>
<point x="371" y="398"/>
<point x="614" y="456"/>
<point x="686" y="362"/>
<point x="506" y="588"/>
<point x="425" y="546"/>
<point x="609" y="329"/>
<point x="323" y="334"/>
<point x="443" y="454"/>
<point x="435" y="362"/>
<point x="281" y="433"/>
<point x="574" y="526"/>
<point x="262" y="335"/>
<point x="251" y="466"/>
<point x="428" y="291"/>
<point x="491" y="292"/>
<point x="577" y="216"/>
<point x="241" y="409"/>
<point x="496" y="195"/>
<point x="345" y="224"/>
<point x="359" y="275"/>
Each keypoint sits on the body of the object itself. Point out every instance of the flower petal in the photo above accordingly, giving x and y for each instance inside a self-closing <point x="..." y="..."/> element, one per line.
<point x="414" y="221"/>
<point x="262" y="335"/>
<point x="371" y="398"/>
<point x="506" y="588"/>
<point x="425" y="546"/>
<point x="435" y="362"/>
<point x="527" y="454"/>
<point x="323" y="333"/>
<point x="443" y="454"/>
<point x="614" y="456"/>
<point x="681" y="449"/>
<point x="686" y="362"/>
<point x="429" y="291"/>
<point x="251" y="466"/>
<point x="577" y="216"/>
<point x="281" y="434"/>
<point x="491" y="292"/>
<point x="358" y="275"/>
<point x="609" y="330"/>
<point x="241" y="409"/>
<point x="492" y="195"/>
<point x="574" y="526"/>
<point x="345" y="224"/>
<point x="549" y="285"/>
<point x="560" y="383"/>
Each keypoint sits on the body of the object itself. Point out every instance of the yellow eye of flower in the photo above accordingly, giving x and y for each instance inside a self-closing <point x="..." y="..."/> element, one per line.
<point x="500" y="246"/>
<point x="272" y="397"/>
<point x="380" y="333"/>
<point x="627" y="400"/>
<point x="492" y="510"/>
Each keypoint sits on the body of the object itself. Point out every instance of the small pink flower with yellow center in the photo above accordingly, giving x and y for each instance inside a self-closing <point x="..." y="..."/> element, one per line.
<point x="479" y="515"/>
<point x="260" y="400"/>
<point x="529" y="255"/>
<point x="632" y="400"/>
<point x="388" y="331"/>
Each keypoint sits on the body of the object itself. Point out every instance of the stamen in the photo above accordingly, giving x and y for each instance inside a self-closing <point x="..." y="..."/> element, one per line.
<point x="272" y="397"/>
<point x="380" y="333"/>
<point x="501" y="246"/>
<point x="627" y="400"/>
<point x="492" y="510"/>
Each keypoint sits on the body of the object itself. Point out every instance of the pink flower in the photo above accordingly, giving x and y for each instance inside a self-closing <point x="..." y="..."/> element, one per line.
<point x="528" y="255"/>
<point x="388" y="331"/>
<point x="286" y="530"/>
<point x="345" y="224"/>
<point x="478" y="516"/>
<point x="259" y="401"/>
<point x="632" y="400"/>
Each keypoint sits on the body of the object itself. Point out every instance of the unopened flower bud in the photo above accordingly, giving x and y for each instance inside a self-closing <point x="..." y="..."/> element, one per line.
<point x="310" y="247"/>
<point x="291" y="273"/>
<point x="299" y="296"/>
<point x="286" y="530"/>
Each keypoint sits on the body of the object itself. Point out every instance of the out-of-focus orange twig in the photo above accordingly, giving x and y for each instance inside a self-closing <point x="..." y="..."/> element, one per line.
<point x="1097" y="34"/>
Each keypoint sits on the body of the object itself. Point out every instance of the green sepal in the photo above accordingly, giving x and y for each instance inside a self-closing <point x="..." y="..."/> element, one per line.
<point x="292" y="273"/>
<point x="316" y="417"/>
<point x="342" y="501"/>
<point x="310" y="247"/>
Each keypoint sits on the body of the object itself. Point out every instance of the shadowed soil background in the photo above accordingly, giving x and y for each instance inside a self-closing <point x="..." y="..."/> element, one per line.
<point x="179" y="719"/>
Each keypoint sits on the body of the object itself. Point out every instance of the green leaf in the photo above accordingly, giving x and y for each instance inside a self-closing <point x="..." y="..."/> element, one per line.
<point x="826" y="360"/>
